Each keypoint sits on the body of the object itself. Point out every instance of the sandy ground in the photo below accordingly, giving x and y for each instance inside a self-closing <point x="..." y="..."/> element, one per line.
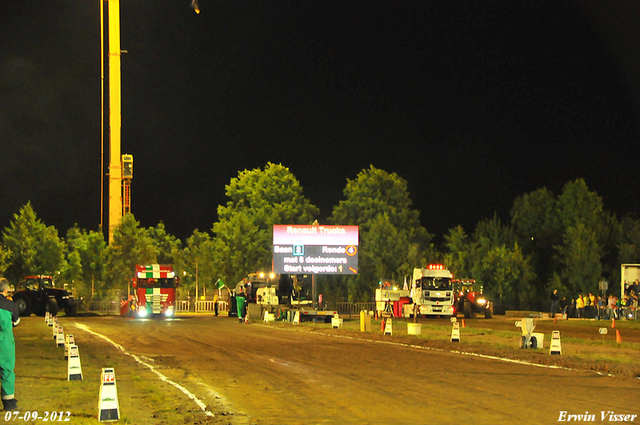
<point x="261" y="374"/>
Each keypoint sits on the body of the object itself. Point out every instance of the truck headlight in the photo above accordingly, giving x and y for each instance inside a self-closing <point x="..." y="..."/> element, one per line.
<point x="142" y="312"/>
<point x="169" y="312"/>
<point x="482" y="301"/>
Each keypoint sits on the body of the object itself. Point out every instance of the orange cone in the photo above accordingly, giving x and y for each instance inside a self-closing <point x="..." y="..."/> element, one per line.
<point x="555" y="319"/>
<point x="613" y="323"/>
<point x="382" y="325"/>
<point x="463" y="325"/>
<point x="618" y="337"/>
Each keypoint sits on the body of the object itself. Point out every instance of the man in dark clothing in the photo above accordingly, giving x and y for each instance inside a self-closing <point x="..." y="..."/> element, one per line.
<point x="9" y="317"/>
<point x="554" y="303"/>
<point x="563" y="306"/>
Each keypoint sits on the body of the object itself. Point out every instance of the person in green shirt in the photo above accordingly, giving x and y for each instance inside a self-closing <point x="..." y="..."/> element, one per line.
<point x="9" y="318"/>
<point x="240" y="301"/>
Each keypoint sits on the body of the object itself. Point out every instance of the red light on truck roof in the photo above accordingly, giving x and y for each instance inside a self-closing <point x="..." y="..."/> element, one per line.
<point x="435" y="266"/>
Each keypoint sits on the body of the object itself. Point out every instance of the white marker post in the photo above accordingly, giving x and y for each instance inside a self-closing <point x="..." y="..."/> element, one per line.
<point x="555" y="348"/>
<point x="336" y="322"/>
<point x="60" y="337"/>
<point x="455" y="332"/>
<point x="388" y="327"/>
<point x="68" y="341"/>
<point x="108" y="407"/>
<point x="74" y="368"/>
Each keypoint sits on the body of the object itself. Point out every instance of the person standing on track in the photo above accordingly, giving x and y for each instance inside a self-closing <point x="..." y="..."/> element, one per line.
<point x="554" y="303"/>
<point x="9" y="318"/>
<point x="580" y="306"/>
<point x="240" y="300"/>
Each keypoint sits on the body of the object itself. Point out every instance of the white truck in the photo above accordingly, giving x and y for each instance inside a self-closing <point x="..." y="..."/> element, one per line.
<point x="432" y="292"/>
<point x="629" y="273"/>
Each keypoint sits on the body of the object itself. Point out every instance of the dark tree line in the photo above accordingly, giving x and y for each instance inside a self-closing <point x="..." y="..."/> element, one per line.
<point x="567" y="242"/>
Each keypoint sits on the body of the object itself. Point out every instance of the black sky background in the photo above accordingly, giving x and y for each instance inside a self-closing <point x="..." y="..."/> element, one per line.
<point x="473" y="103"/>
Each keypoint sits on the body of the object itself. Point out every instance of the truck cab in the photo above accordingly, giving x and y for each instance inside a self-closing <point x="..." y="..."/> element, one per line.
<point x="432" y="291"/>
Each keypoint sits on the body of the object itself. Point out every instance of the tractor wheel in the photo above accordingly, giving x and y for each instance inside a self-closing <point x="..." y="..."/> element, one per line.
<point x="488" y="314"/>
<point x="24" y="305"/>
<point x="467" y="310"/>
<point x="52" y="307"/>
<point x="41" y="307"/>
<point x="71" y="308"/>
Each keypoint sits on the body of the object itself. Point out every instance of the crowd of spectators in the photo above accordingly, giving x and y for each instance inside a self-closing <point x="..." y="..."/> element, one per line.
<point x="590" y="306"/>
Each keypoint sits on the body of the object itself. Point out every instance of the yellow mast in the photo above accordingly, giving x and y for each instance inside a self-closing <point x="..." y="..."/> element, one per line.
<point x="115" y="119"/>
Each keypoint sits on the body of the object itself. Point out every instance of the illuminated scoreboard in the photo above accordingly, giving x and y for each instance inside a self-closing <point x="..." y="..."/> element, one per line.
<point x="315" y="249"/>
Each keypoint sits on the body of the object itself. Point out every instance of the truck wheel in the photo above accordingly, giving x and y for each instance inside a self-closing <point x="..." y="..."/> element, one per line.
<point x="52" y="307"/>
<point x="467" y="310"/>
<point x="24" y="305"/>
<point x="71" y="308"/>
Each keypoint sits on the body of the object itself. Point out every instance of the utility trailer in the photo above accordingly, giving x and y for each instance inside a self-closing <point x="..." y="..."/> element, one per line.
<point x="283" y="295"/>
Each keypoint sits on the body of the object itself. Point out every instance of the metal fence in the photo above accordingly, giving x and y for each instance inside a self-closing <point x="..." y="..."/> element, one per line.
<point x="184" y="306"/>
<point x="200" y="306"/>
<point x="104" y="307"/>
<point x="351" y="308"/>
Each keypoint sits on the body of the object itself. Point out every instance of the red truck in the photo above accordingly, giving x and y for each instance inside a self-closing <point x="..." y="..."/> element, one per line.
<point x="154" y="292"/>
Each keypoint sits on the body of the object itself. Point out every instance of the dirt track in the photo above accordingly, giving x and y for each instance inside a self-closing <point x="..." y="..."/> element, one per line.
<point x="272" y="375"/>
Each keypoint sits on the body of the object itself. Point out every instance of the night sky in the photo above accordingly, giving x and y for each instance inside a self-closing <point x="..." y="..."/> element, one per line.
<point x="473" y="103"/>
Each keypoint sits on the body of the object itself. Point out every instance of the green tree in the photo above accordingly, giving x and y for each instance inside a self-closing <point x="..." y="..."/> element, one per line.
<point x="5" y="259"/>
<point x="35" y="248"/>
<point x="588" y="234"/>
<point x="534" y="218"/>
<point x="199" y="260"/>
<point x="576" y="204"/>
<point x="131" y="245"/>
<point x="72" y="272"/>
<point x="507" y="276"/>
<point x="166" y="246"/>
<point x="88" y="250"/>
<point x="258" y="199"/>
<point x="629" y="245"/>
<point x="459" y="252"/>
<point x="391" y="238"/>
<point x="488" y="235"/>
<point x="580" y="256"/>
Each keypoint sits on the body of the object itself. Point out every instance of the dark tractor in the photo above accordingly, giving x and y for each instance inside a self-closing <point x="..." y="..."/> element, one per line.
<point x="37" y="294"/>
<point x="470" y="299"/>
